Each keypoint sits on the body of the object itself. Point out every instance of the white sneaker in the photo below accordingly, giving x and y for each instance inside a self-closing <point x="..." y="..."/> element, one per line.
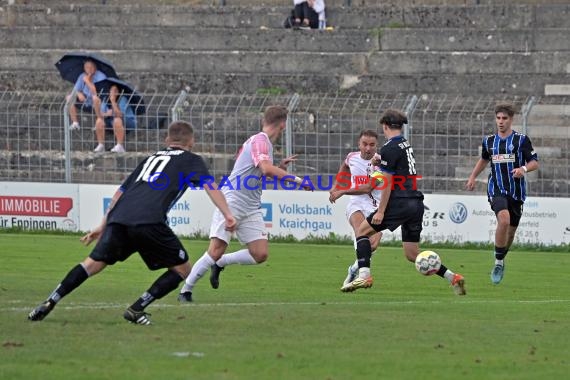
<point x="351" y="275"/>
<point x="99" y="149"/>
<point x="118" y="149"/>
<point x="74" y="126"/>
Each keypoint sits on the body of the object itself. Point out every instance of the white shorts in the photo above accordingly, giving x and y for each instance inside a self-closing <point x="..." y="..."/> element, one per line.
<point x="365" y="207"/>
<point x="250" y="226"/>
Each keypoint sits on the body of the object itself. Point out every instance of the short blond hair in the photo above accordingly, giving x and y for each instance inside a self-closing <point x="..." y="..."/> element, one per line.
<point x="274" y="115"/>
<point x="180" y="132"/>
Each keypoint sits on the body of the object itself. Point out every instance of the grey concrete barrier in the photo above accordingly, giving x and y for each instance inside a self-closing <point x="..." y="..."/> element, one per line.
<point x="185" y="38"/>
<point x="391" y="16"/>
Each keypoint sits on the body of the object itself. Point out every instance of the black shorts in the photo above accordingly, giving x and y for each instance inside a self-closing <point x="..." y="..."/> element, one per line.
<point x="405" y="212"/>
<point x="158" y="246"/>
<point x="503" y="202"/>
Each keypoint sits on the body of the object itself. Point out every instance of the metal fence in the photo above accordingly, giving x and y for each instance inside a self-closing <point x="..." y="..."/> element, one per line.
<point x="36" y="143"/>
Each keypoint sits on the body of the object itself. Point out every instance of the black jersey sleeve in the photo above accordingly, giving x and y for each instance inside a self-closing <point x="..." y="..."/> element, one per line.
<point x="528" y="151"/>
<point x="389" y="158"/>
<point x="484" y="149"/>
<point x="199" y="170"/>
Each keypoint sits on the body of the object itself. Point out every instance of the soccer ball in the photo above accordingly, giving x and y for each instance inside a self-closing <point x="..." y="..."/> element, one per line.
<point x="379" y="178"/>
<point x="428" y="263"/>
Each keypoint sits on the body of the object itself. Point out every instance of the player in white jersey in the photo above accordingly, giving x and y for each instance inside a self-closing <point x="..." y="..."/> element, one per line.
<point x="364" y="198"/>
<point x="243" y="193"/>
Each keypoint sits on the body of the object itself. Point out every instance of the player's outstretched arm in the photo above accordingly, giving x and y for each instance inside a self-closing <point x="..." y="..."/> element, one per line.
<point x="269" y="170"/>
<point x="220" y="202"/>
<point x="96" y="233"/>
<point x="479" y="167"/>
<point x="287" y="160"/>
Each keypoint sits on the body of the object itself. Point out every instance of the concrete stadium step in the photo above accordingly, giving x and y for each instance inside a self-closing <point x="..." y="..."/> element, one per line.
<point x="549" y="123"/>
<point x="253" y="82"/>
<point x="139" y="140"/>
<point x="551" y="115"/>
<point x="183" y="39"/>
<point x="95" y="167"/>
<point x="400" y="62"/>
<point x="550" y="152"/>
<point x="550" y="148"/>
<point x="340" y="40"/>
<point x="491" y="40"/>
<point x="561" y="133"/>
<point x="557" y="89"/>
<point x="330" y="3"/>
<point x="390" y="16"/>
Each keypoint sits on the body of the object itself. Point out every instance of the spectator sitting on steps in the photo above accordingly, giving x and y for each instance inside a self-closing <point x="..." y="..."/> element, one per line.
<point x="309" y="14"/>
<point x="87" y="97"/>
<point x="116" y="117"/>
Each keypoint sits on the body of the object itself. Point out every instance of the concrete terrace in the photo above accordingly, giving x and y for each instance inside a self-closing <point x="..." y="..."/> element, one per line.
<point x="436" y="49"/>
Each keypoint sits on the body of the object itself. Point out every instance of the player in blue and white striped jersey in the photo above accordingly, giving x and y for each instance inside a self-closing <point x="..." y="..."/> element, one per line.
<point x="510" y="155"/>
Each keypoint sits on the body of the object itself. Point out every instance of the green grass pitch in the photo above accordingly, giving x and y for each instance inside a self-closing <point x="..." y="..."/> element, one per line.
<point x="287" y="319"/>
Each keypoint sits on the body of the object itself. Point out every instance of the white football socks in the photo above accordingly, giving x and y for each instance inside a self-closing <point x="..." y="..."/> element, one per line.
<point x="449" y="275"/>
<point x="242" y="257"/>
<point x="199" y="268"/>
<point x="364" y="272"/>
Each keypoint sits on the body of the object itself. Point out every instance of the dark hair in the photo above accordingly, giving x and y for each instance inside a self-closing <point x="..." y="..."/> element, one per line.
<point x="274" y="115"/>
<point x="90" y="61"/>
<point x="180" y="132"/>
<point x="393" y="118"/>
<point x="369" y="133"/>
<point x="507" y="108"/>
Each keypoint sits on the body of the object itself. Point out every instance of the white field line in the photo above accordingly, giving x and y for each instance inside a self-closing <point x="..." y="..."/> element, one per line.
<point x="104" y="305"/>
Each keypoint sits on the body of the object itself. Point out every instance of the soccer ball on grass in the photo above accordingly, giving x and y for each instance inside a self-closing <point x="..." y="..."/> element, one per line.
<point x="428" y="263"/>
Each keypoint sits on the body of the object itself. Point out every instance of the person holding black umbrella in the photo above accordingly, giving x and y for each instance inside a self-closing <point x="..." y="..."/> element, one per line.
<point x="86" y="93"/>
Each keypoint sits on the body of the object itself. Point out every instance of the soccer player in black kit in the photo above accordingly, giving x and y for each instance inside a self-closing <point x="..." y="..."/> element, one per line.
<point x="136" y="222"/>
<point x="510" y="155"/>
<point x="401" y="204"/>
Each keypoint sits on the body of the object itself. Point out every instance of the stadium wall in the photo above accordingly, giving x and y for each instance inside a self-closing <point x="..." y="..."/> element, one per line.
<point x="452" y="218"/>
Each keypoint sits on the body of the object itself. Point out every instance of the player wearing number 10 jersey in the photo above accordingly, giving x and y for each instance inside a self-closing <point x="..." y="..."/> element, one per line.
<point x="401" y="205"/>
<point x="136" y="222"/>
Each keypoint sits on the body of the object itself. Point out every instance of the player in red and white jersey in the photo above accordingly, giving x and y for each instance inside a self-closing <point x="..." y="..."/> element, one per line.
<point x="243" y="193"/>
<point x="364" y="199"/>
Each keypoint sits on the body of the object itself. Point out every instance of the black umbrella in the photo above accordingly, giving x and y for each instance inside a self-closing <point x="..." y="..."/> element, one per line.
<point x="135" y="99"/>
<point x="70" y="66"/>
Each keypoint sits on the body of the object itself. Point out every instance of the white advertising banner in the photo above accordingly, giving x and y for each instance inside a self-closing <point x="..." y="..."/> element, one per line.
<point x="462" y="218"/>
<point x="453" y="218"/>
<point x="190" y="215"/>
<point x="300" y="214"/>
<point x="39" y="206"/>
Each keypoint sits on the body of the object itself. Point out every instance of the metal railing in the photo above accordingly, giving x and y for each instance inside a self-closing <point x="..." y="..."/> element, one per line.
<point x="36" y="143"/>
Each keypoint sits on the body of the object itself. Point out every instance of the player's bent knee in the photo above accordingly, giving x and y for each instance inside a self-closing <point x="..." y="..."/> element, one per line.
<point x="260" y="256"/>
<point x="504" y="221"/>
<point x="182" y="270"/>
<point x="93" y="267"/>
